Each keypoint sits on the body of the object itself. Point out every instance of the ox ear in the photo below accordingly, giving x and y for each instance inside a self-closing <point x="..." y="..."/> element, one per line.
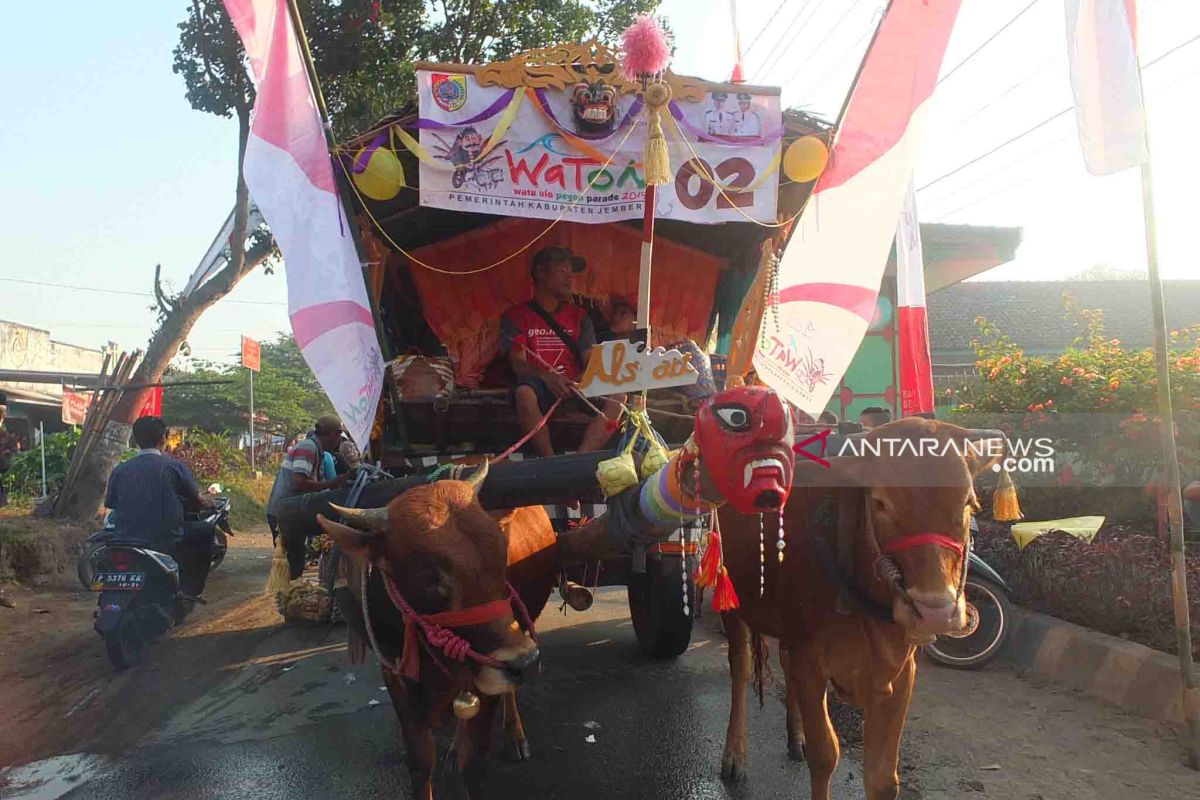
<point x="359" y="545"/>
<point x="984" y="454"/>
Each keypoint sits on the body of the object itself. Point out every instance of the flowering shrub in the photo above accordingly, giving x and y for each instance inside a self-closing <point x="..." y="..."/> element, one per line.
<point x="210" y="456"/>
<point x="1097" y="401"/>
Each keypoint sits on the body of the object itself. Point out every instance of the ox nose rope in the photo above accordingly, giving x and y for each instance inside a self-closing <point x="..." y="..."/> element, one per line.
<point x="434" y="632"/>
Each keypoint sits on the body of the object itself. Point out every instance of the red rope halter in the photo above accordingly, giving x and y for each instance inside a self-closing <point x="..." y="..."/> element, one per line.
<point x="438" y="633"/>
<point x="917" y="539"/>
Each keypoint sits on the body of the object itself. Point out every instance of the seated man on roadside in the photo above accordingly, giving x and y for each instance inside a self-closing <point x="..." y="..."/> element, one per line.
<point x="148" y="495"/>
<point x="548" y="341"/>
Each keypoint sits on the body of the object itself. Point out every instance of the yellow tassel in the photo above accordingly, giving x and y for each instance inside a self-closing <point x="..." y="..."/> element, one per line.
<point x="279" y="577"/>
<point x="656" y="160"/>
<point x="1005" y="507"/>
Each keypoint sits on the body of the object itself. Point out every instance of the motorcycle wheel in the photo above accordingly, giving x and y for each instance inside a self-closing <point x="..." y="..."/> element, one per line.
<point x="220" y="547"/>
<point x="991" y="621"/>
<point x="83" y="567"/>
<point x="123" y="643"/>
<point x="458" y="178"/>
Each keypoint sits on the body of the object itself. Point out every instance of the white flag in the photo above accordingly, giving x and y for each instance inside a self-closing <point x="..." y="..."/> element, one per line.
<point x="290" y="176"/>
<point x="1102" y="49"/>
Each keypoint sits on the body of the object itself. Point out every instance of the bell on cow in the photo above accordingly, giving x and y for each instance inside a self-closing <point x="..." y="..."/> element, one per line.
<point x="466" y="705"/>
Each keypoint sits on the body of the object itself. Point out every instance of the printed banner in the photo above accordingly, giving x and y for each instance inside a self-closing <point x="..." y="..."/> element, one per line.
<point x="75" y="406"/>
<point x="576" y="154"/>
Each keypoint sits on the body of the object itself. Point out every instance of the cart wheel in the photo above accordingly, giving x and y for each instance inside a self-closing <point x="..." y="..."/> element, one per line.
<point x="656" y="608"/>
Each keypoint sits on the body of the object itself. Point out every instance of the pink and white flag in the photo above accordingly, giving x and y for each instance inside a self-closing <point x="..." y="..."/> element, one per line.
<point x="832" y="268"/>
<point x="1102" y="50"/>
<point x="916" y="366"/>
<point x="290" y="176"/>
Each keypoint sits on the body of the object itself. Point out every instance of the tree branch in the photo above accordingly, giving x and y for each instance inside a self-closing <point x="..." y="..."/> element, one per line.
<point x="165" y="303"/>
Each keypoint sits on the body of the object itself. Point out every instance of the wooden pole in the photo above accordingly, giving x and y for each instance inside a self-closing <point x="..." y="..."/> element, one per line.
<point x="1179" y="592"/>
<point x="644" y="269"/>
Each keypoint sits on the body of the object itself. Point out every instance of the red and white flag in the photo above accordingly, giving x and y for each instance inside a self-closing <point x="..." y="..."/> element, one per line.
<point x="832" y="268"/>
<point x="290" y="176"/>
<point x="1102" y="49"/>
<point x="916" y="367"/>
<point x="739" y="67"/>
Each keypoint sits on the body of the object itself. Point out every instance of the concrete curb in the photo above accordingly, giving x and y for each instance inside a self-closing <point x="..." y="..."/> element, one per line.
<point x="1133" y="677"/>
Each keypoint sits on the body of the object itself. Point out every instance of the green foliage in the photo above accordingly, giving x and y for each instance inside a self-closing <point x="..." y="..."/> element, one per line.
<point x="364" y="49"/>
<point x="285" y="393"/>
<point x="24" y="477"/>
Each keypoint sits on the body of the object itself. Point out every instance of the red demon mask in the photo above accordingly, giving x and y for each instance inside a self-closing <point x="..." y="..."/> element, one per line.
<point x="745" y="440"/>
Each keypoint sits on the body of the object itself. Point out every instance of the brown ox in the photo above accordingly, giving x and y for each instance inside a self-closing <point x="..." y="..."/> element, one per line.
<point x="837" y="630"/>
<point x="443" y="553"/>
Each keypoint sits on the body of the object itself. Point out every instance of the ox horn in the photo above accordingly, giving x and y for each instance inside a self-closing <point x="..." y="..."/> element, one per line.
<point x="364" y="519"/>
<point x="478" y="477"/>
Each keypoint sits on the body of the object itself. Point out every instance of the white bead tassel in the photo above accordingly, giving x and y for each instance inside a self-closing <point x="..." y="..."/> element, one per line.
<point x="781" y="544"/>
<point x="762" y="558"/>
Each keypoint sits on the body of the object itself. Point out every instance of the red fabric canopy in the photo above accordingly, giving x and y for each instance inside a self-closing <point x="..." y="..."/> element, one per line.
<point x="464" y="310"/>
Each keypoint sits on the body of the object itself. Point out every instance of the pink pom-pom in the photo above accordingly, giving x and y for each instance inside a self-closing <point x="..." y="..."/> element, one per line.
<point x="645" y="49"/>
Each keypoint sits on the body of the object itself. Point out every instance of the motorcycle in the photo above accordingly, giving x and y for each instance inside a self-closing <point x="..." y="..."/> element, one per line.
<point x="139" y="592"/>
<point x="989" y="619"/>
<point x="218" y="515"/>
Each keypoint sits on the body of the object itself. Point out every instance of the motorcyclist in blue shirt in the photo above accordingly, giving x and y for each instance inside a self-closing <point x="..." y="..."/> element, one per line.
<point x="148" y="495"/>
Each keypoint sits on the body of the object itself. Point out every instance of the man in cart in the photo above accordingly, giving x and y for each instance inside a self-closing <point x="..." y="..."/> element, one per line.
<point x="548" y="341"/>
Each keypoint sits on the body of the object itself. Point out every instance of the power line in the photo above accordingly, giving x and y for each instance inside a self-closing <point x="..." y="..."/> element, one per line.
<point x="1023" y="182"/>
<point x="824" y="40"/>
<point x="1046" y="121"/>
<point x="998" y="147"/>
<point x="766" y="25"/>
<point x="988" y="40"/>
<point x="837" y="62"/>
<point x="123" y="292"/>
<point x="1023" y="80"/>
<point x="768" y="62"/>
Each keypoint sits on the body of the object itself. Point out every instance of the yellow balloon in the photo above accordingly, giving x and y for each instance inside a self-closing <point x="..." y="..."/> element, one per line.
<point x="384" y="176"/>
<point x="805" y="159"/>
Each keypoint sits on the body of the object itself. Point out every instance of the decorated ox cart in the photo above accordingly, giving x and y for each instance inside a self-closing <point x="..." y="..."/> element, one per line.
<point x="454" y="198"/>
<point x="623" y="192"/>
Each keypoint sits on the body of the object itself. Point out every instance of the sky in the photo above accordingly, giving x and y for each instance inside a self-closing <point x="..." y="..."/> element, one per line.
<point x="106" y="171"/>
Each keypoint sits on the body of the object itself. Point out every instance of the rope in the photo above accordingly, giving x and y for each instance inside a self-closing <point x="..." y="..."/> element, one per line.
<point x="569" y="207"/>
<point x="541" y="424"/>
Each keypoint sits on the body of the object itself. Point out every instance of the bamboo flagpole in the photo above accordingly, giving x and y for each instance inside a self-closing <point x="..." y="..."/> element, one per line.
<point x="1110" y="111"/>
<point x="1179" y="590"/>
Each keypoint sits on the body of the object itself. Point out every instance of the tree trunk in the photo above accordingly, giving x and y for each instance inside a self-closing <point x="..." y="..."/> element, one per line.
<point x="82" y="504"/>
<point x="179" y="314"/>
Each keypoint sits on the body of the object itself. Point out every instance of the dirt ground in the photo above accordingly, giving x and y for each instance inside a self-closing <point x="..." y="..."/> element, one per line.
<point x="59" y="692"/>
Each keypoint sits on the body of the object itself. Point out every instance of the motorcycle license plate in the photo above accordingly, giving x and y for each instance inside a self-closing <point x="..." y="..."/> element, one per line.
<point x="117" y="581"/>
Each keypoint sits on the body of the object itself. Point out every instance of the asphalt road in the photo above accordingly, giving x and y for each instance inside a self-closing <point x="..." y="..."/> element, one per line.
<point x="295" y="721"/>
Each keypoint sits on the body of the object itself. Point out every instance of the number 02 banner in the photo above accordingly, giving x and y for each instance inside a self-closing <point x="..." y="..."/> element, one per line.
<point x="576" y="153"/>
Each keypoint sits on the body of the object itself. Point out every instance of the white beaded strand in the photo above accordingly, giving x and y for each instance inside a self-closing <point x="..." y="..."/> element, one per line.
<point x="762" y="558"/>
<point x="780" y="544"/>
